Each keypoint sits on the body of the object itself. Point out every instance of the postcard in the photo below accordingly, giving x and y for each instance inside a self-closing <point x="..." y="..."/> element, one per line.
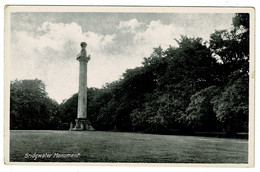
<point x="120" y="85"/>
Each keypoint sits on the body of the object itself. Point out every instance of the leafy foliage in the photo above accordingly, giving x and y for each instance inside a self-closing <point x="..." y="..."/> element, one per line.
<point x="200" y="114"/>
<point x="231" y="106"/>
<point x="30" y="107"/>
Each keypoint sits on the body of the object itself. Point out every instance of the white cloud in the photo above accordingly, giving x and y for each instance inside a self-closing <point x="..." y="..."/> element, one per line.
<point x="55" y="35"/>
<point x="158" y="34"/>
<point x="130" y="26"/>
<point x="98" y="42"/>
<point x="151" y="35"/>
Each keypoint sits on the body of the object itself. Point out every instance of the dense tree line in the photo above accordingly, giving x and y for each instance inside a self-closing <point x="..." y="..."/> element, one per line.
<point x="196" y="86"/>
<point x="30" y="106"/>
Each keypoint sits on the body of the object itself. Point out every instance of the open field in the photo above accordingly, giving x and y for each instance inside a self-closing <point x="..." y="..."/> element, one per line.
<point x="97" y="146"/>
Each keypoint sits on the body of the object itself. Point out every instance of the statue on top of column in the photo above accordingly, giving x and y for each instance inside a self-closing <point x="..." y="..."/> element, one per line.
<point x="83" y="52"/>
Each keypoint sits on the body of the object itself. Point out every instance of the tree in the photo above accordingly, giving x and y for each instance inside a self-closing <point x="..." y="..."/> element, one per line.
<point x="176" y="74"/>
<point x="129" y="94"/>
<point x="190" y="66"/>
<point x="200" y="114"/>
<point x="232" y="48"/>
<point x="68" y="111"/>
<point x="100" y="112"/>
<point x="30" y="106"/>
<point x="231" y="106"/>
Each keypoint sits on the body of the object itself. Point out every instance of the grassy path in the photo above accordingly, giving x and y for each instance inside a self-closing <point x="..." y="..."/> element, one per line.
<point x="125" y="147"/>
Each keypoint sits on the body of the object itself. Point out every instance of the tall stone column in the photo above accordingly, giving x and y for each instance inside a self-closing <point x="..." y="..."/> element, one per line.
<point x="81" y="122"/>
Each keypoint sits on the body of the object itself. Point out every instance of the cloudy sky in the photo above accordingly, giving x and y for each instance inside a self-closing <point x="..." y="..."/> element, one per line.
<point x="45" y="45"/>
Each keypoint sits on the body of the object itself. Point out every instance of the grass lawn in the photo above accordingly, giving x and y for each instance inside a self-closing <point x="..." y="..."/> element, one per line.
<point x="97" y="146"/>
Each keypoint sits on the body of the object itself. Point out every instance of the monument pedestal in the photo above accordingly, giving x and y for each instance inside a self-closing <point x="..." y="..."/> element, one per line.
<point x="82" y="124"/>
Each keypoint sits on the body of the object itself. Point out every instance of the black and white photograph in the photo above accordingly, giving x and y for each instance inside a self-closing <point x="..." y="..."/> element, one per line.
<point x="152" y="85"/>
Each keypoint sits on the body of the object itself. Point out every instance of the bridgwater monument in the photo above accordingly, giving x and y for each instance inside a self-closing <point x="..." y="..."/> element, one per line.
<point x="82" y="123"/>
